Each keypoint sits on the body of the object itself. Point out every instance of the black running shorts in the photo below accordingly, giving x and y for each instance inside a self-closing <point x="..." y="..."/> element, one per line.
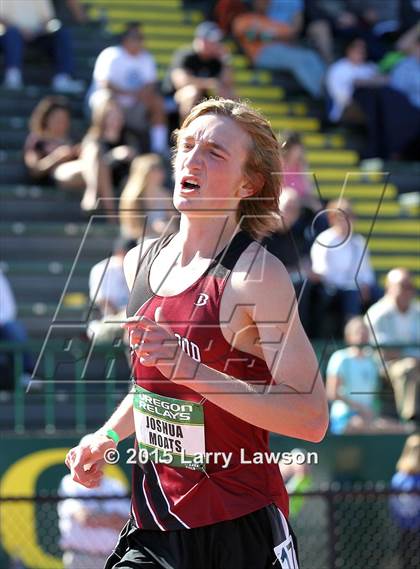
<point x="260" y="540"/>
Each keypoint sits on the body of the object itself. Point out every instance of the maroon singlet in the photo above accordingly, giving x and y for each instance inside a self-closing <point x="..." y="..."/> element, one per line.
<point x="170" y="498"/>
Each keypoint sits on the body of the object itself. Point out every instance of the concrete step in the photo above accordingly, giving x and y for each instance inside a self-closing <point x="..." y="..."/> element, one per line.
<point x="58" y="210"/>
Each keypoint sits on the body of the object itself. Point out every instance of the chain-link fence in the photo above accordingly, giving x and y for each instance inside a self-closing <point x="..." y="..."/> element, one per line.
<point x="336" y="529"/>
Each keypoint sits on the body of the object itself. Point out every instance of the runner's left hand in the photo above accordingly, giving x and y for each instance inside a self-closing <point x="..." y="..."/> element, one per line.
<point x="155" y="344"/>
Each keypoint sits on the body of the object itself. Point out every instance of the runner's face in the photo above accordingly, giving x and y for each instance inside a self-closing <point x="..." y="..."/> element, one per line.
<point x="209" y="165"/>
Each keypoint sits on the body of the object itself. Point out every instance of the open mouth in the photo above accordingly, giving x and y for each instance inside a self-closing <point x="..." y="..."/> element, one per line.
<point x="189" y="185"/>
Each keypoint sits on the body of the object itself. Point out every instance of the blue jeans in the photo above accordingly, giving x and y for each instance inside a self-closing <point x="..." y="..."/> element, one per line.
<point x="57" y="43"/>
<point x="305" y="65"/>
<point x="14" y="331"/>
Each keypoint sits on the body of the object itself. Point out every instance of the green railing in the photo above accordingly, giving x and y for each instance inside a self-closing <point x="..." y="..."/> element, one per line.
<point x="47" y="388"/>
<point x="51" y="391"/>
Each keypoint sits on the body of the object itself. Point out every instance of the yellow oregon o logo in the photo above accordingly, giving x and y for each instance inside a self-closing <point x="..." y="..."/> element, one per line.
<point x="18" y="531"/>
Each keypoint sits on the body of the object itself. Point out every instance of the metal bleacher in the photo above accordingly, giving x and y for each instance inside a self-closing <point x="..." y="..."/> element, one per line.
<point x="42" y="229"/>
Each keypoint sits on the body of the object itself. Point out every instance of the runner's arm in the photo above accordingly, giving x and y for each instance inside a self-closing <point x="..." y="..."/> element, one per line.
<point x="85" y="460"/>
<point x="296" y="404"/>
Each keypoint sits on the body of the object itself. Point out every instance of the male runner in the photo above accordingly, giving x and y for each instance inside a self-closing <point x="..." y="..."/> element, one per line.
<point x="219" y="360"/>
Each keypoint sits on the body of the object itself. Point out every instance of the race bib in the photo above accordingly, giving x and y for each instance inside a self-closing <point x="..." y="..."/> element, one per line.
<point x="170" y="431"/>
<point x="285" y="553"/>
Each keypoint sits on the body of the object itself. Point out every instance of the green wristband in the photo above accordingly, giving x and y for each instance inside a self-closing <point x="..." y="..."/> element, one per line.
<point x="113" y="435"/>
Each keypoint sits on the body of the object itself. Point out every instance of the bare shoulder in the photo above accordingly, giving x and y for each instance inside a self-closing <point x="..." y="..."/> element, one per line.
<point x="132" y="258"/>
<point x="258" y="267"/>
<point x="260" y="279"/>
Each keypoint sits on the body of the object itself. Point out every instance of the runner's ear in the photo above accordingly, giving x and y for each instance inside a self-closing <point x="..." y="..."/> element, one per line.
<point x="251" y="185"/>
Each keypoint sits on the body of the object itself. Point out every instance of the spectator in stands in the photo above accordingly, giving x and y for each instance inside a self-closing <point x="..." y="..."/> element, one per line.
<point x="352" y="385"/>
<point x="290" y="247"/>
<point x="51" y="157"/>
<point x="48" y="144"/>
<point x="391" y="134"/>
<point x="11" y="330"/>
<point x="129" y="72"/>
<point x="106" y="156"/>
<point x="109" y="294"/>
<point x="337" y="255"/>
<point x="394" y="135"/>
<point x="405" y="507"/>
<point x="33" y="23"/>
<point x="200" y="70"/>
<point x="346" y="19"/>
<point x="269" y="36"/>
<point x="344" y="75"/>
<point x="394" y="320"/>
<point x="225" y="12"/>
<point x="145" y="204"/>
<point x="90" y="526"/>
<point x="296" y="172"/>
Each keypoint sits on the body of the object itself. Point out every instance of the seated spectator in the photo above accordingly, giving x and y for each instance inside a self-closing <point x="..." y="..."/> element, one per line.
<point x="405" y="76"/>
<point x="344" y="75"/>
<point x="145" y="204"/>
<point x="360" y="95"/>
<point x="109" y="294"/>
<point x="89" y="527"/>
<point x="200" y="70"/>
<point x="345" y="19"/>
<point x="106" y="156"/>
<point x="51" y="157"/>
<point x="33" y="23"/>
<point x="225" y="12"/>
<point x="337" y="255"/>
<point x="394" y="135"/>
<point x="352" y="385"/>
<point x="289" y="246"/>
<point x="48" y="144"/>
<point x="11" y="330"/>
<point x="394" y="320"/>
<point x="269" y="37"/>
<point x="129" y="72"/>
<point x="296" y="172"/>
<point x="405" y="506"/>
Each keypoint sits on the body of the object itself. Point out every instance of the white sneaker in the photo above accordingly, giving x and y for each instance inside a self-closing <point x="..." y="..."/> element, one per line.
<point x="65" y="84"/>
<point x="13" y="78"/>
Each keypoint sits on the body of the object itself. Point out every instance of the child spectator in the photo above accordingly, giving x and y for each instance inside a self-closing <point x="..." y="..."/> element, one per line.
<point x="352" y="385"/>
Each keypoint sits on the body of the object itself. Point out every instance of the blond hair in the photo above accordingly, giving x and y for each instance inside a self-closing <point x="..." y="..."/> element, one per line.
<point x="103" y="103"/>
<point x="258" y="214"/>
<point x="141" y="167"/>
<point x="352" y="325"/>
<point x="409" y="461"/>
